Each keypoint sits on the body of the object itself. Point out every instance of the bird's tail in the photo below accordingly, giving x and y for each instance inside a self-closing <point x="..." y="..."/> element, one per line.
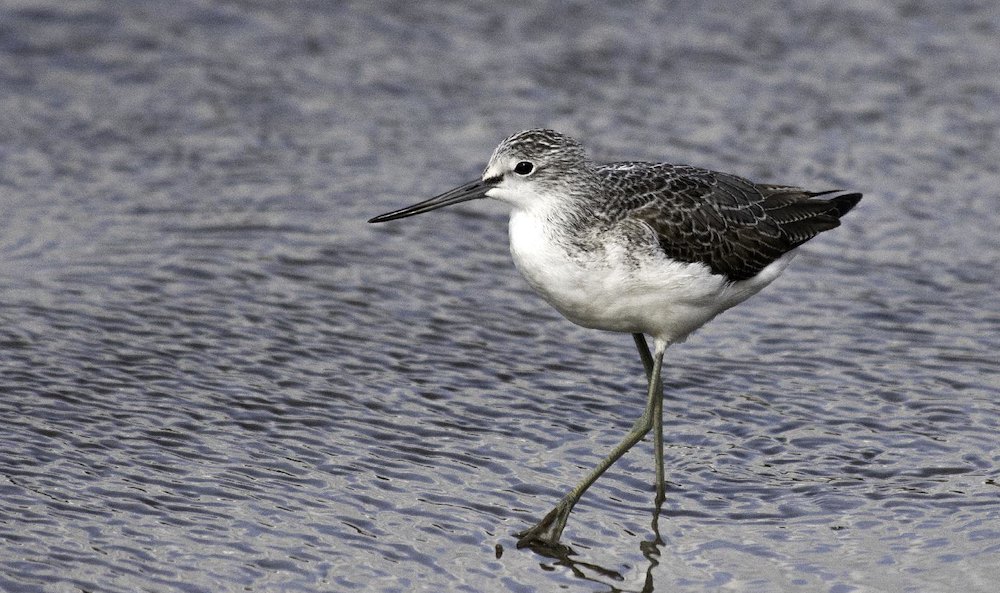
<point x="803" y="214"/>
<point x="841" y="201"/>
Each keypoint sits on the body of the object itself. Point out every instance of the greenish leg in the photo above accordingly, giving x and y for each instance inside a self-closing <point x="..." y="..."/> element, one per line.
<point x="647" y="358"/>
<point x="549" y="529"/>
<point x="661" y="489"/>
<point x="647" y="363"/>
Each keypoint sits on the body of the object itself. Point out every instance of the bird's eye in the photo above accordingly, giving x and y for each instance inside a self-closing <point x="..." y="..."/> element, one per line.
<point x="524" y="168"/>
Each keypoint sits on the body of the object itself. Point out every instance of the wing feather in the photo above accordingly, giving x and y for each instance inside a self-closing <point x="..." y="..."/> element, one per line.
<point x="730" y="224"/>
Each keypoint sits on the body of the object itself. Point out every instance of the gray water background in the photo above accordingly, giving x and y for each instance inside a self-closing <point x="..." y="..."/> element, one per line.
<point x="214" y="376"/>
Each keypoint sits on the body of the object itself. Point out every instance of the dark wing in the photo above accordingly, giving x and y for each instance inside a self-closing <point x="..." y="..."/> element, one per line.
<point x="728" y="223"/>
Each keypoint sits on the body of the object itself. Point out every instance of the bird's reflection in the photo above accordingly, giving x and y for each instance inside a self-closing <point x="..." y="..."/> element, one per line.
<point x="564" y="556"/>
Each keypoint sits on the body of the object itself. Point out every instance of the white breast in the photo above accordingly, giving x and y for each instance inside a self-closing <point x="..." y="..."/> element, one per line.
<point x="616" y="289"/>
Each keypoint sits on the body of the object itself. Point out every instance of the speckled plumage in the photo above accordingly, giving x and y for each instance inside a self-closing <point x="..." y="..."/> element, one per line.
<point x="732" y="225"/>
<point x="640" y="247"/>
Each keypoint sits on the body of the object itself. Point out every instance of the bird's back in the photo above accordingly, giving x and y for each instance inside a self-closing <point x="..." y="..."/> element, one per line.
<point x="730" y="224"/>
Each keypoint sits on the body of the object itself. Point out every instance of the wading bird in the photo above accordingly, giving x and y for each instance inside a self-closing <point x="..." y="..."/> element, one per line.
<point x="642" y="248"/>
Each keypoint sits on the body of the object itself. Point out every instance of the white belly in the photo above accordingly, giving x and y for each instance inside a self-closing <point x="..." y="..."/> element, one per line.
<point x="613" y="289"/>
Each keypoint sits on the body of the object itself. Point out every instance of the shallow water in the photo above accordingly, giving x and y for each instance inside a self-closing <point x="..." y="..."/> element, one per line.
<point x="215" y="376"/>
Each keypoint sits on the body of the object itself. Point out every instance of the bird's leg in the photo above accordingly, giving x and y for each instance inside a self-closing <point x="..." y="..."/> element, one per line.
<point x="647" y="358"/>
<point x="548" y="531"/>
<point x="647" y="363"/>
<point x="661" y="490"/>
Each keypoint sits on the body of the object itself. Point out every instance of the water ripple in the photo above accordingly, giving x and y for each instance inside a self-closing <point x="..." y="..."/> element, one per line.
<point x="214" y="375"/>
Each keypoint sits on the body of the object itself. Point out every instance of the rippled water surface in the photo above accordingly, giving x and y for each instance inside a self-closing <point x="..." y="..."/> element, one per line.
<point x="214" y="376"/>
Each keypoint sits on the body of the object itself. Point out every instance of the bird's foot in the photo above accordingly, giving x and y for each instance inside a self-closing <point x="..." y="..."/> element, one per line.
<point x="546" y="533"/>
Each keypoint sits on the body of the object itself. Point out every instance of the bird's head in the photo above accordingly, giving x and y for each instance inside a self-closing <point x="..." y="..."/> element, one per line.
<point x="526" y="169"/>
<point x="533" y="165"/>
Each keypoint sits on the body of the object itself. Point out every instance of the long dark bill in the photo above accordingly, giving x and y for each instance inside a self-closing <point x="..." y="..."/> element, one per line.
<point x="473" y="190"/>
